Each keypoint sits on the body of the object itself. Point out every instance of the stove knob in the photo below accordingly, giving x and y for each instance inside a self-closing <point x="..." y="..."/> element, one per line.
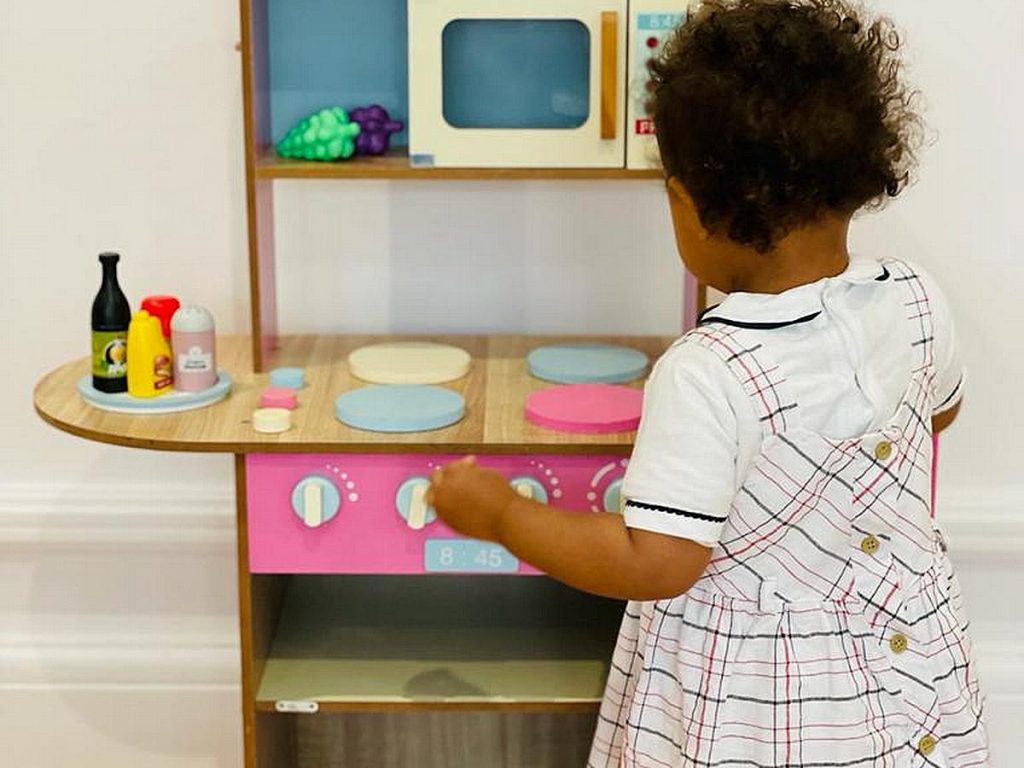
<point x="411" y="504"/>
<point x="613" y="501"/>
<point x="529" y="488"/>
<point x="315" y="500"/>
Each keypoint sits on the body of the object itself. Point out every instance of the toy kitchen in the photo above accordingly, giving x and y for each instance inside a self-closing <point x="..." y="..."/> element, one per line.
<point x="360" y="612"/>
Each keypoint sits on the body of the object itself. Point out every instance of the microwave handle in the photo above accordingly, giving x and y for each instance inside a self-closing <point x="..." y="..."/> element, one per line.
<point x="609" y="73"/>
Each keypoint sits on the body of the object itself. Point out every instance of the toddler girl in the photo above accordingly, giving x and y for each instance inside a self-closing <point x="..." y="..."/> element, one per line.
<point x="791" y="602"/>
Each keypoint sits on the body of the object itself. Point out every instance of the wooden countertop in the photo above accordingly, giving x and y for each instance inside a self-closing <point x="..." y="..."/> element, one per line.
<point x="495" y="391"/>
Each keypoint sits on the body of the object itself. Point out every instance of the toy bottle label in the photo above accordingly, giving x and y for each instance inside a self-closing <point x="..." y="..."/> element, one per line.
<point x="195" y="361"/>
<point x="110" y="354"/>
<point x="163" y="374"/>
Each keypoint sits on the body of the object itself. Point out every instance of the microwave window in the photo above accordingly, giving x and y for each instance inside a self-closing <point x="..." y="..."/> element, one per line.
<point x="516" y="73"/>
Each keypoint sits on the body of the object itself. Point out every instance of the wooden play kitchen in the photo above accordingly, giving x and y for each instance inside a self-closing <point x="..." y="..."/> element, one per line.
<point x="371" y="634"/>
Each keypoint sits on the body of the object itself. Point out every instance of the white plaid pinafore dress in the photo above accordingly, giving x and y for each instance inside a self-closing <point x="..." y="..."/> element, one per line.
<point x="828" y="628"/>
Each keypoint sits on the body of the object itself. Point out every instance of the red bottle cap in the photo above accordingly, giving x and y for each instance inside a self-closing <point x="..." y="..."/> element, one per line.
<point x="164" y="308"/>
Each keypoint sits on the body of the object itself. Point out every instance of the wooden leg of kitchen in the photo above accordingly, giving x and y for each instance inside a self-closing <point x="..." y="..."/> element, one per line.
<point x="268" y="736"/>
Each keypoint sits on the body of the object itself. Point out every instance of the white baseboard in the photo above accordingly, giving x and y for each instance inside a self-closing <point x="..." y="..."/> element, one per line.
<point x="113" y="665"/>
<point x="42" y="525"/>
<point x="34" y="517"/>
<point x="985" y="529"/>
<point x="983" y="521"/>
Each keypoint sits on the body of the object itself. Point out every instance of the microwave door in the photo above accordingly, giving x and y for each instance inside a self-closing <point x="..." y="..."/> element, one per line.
<point x="517" y="84"/>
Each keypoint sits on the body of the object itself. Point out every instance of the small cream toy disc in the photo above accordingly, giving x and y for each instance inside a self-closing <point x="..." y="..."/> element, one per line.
<point x="271" y="420"/>
<point x="409" y="362"/>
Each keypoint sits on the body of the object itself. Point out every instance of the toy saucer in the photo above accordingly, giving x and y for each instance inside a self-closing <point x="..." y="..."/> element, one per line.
<point x="400" y="408"/>
<point x="586" y="408"/>
<point x="173" y="402"/>
<point x="587" y="363"/>
<point x="409" y="362"/>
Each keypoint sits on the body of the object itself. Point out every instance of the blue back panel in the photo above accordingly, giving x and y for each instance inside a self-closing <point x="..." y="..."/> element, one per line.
<point x="337" y="53"/>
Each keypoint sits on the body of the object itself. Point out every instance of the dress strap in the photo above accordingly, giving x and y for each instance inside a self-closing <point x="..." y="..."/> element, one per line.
<point x="760" y="376"/>
<point x="919" y="315"/>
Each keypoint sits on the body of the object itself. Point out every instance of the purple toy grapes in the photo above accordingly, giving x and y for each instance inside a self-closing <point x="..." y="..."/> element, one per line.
<point x="376" y="128"/>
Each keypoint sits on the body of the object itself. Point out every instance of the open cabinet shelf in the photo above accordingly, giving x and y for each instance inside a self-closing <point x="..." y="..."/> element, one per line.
<point x="382" y="643"/>
<point x="395" y="165"/>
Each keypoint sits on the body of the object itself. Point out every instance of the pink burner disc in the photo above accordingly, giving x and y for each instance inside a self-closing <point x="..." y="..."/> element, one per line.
<point x="586" y="408"/>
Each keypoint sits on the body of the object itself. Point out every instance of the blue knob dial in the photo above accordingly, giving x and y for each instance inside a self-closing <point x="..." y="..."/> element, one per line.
<point x="530" y="488"/>
<point x="410" y="503"/>
<point x="613" y="497"/>
<point x="315" y="500"/>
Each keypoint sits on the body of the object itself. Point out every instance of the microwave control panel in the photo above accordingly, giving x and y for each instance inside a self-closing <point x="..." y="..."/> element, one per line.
<point x="651" y="24"/>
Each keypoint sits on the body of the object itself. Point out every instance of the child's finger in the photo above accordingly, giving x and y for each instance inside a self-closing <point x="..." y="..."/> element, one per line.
<point x="467" y="461"/>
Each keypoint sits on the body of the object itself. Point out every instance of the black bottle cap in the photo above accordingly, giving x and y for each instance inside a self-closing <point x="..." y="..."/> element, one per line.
<point x="109" y="257"/>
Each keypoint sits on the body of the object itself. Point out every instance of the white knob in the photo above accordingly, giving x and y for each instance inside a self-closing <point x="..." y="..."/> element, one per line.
<point x="524" y="489"/>
<point x="418" y="507"/>
<point x="313" y="505"/>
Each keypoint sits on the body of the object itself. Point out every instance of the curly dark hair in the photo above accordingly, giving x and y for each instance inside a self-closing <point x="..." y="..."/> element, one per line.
<point x="773" y="113"/>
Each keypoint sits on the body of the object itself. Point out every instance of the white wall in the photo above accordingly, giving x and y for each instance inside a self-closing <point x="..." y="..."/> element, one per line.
<point x="120" y="128"/>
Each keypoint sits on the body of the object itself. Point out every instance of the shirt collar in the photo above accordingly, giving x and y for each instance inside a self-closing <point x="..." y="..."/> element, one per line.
<point x="797" y="305"/>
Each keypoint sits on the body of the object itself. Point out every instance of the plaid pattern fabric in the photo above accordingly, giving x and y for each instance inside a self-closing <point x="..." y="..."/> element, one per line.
<point x="828" y="629"/>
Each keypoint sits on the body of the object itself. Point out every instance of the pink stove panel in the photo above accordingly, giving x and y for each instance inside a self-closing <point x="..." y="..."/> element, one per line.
<point x="327" y="513"/>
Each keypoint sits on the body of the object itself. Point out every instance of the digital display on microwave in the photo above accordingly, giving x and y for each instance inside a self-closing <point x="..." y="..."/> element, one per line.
<point x="516" y="73"/>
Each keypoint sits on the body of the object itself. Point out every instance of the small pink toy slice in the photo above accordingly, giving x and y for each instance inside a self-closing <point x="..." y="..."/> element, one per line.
<point x="279" y="397"/>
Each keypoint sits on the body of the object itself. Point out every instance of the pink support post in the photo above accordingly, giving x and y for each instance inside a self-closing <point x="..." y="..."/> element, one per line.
<point x="690" y="293"/>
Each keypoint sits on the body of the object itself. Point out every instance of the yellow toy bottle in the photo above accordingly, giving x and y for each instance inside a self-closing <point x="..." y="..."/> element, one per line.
<point x="150" y="366"/>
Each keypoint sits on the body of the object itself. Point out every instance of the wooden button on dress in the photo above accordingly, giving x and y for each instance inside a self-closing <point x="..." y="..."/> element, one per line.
<point x="926" y="745"/>
<point x="898" y="643"/>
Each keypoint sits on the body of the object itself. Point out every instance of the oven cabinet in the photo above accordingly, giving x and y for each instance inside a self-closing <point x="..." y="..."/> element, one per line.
<point x="517" y="83"/>
<point x="346" y="662"/>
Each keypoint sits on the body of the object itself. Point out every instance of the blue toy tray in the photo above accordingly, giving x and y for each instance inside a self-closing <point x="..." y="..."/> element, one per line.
<point x="173" y="402"/>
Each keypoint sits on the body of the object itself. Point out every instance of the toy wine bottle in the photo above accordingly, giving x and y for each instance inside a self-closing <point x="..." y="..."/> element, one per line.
<point x="110" y="318"/>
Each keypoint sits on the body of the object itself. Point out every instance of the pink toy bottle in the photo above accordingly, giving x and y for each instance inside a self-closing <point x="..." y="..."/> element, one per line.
<point x="194" y="348"/>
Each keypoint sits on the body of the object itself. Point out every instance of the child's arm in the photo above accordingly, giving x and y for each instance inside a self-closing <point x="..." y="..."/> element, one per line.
<point x="942" y="420"/>
<point x="593" y="552"/>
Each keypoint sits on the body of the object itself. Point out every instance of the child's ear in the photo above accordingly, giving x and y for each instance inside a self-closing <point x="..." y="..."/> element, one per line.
<point x="684" y="210"/>
<point x="675" y="187"/>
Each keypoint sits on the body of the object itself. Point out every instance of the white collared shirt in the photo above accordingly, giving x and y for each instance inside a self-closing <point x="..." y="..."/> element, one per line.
<point x="843" y="345"/>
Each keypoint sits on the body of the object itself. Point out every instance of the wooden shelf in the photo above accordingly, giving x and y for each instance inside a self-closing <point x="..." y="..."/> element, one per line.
<point x="391" y="643"/>
<point x="495" y="391"/>
<point x="395" y="165"/>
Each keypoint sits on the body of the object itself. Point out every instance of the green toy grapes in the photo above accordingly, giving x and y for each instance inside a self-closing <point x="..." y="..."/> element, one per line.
<point x="325" y="135"/>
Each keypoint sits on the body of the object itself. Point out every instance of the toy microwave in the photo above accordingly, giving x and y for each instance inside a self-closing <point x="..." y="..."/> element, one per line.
<point x="534" y="83"/>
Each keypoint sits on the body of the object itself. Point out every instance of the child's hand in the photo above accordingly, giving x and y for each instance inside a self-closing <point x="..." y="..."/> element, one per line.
<point x="470" y="499"/>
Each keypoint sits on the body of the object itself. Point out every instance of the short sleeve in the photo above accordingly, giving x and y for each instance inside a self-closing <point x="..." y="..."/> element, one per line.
<point x="682" y="476"/>
<point x="949" y="372"/>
